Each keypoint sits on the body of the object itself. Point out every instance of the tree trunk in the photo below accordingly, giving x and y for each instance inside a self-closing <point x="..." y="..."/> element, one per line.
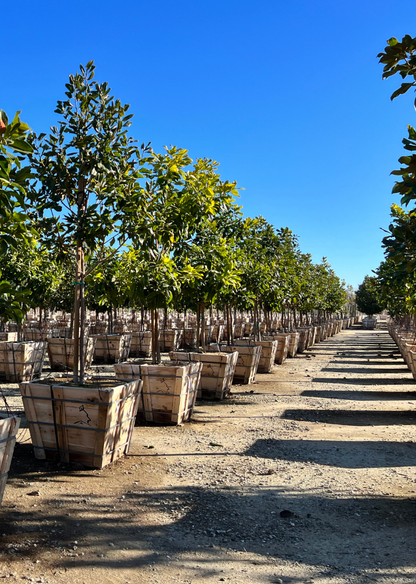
<point x="78" y="324"/>
<point x="155" y="336"/>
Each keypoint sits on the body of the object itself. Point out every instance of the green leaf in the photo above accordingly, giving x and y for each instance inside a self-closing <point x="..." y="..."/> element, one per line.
<point x="21" y="146"/>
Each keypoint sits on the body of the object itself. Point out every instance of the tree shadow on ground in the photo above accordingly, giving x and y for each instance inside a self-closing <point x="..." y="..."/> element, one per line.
<point x="337" y="453"/>
<point x="364" y="381"/>
<point x="352" y="417"/>
<point x="366" y="369"/>
<point x="369" y="362"/>
<point x="360" y="395"/>
<point x="150" y="528"/>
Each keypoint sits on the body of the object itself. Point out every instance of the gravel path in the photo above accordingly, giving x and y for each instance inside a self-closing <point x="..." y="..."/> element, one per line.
<point x="306" y="476"/>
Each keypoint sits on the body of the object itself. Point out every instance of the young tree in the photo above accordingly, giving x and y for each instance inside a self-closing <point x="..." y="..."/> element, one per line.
<point x="87" y="194"/>
<point x="368" y="297"/>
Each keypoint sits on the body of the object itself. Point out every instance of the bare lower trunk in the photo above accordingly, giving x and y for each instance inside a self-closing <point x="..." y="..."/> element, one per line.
<point x="201" y="320"/>
<point x="155" y="336"/>
<point x="78" y="324"/>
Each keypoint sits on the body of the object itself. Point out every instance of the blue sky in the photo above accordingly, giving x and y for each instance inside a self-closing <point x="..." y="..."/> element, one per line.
<point x="288" y="97"/>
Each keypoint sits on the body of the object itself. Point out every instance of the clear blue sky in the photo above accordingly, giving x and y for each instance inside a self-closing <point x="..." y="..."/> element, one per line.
<point x="287" y="96"/>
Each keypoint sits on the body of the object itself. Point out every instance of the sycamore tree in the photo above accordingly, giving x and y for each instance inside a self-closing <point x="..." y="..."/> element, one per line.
<point x="86" y="190"/>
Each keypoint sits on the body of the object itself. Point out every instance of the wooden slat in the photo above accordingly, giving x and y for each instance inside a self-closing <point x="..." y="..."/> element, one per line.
<point x="60" y="417"/>
<point x="31" y="416"/>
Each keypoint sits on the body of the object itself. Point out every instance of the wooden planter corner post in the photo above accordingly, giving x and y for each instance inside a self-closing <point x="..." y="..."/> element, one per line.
<point x="8" y="431"/>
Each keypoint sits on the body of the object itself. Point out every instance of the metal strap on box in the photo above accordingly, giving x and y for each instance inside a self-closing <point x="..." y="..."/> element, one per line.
<point x="8" y="439"/>
<point x="84" y="427"/>
<point x="76" y="401"/>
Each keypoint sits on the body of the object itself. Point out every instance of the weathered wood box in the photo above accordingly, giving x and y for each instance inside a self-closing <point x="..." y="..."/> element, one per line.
<point x="247" y="362"/>
<point x="21" y="361"/>
<point x="293" y="344"/>
<point x="217" y="372"/>
<point x="169" y="339"/>
<point x="189" y="338"/>
<point x="111" y="348"/>
<point x="282" y="350"/>
<point x="8" y="431"/>
<point x="268" y="353"/>
<point x="61" y="353"/>
<point x="141" y="344"/>
<point x="303" y="339"/>
<point x="90" y="424"/>
<point x="34" y="334"/>
<point x="169" y="390"/>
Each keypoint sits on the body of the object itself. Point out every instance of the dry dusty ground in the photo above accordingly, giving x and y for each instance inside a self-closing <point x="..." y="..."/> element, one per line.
<point x="329" y="439"/>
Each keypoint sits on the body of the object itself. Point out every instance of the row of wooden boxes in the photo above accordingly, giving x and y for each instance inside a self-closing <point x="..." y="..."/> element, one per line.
<point x="406" y="343"/>
<point x="93" y="423"/>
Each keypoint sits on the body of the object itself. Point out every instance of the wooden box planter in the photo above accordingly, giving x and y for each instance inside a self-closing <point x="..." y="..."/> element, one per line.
<point x="303" y="339"/>
<point x="293" y="344"/>
<point x="412" y="361"/>
<point x="21" y="361"/>
<point x="247" y="362"/>
<point x="218" y="333"/>
<point x="238" y="330"/>
<point x="225" y="333"/>
<point x="169" y="340"/>
<point x="369" y="323"/>
<point x="91" y="424"/>
<point x="248" y="329"/>
<point x="119" y="329"/>
<point x="189" y="338"/>
<point x="318" y="334"/>
<point x="8" y="432"/>
<point x="141" y="344"/>
<point x="169" y="390"/>
<point x="63" y="333"/>
<point x="282" y="347"/>
<point x="61" y="353"/>
<point x="217" y="372"/>
<point x="111" y="348"/>
<point x="32" y="334"/>
<point x="99" y="328"/>
<point x="268" y="353"/>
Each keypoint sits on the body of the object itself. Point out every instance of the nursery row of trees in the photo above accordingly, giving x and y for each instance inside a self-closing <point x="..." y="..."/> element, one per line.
<point x="394" y="286"/>
<point x="90" y="219"/>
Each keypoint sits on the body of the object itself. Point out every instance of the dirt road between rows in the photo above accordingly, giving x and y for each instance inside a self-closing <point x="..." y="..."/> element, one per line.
<point x="307" y="476"/>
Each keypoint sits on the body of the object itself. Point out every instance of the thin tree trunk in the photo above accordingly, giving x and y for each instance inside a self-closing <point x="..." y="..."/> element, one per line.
<point x="82" y="328"/>
<point x="201" y="307"/>
<point x="77" y="304"/>
<point x="155" y="336"/>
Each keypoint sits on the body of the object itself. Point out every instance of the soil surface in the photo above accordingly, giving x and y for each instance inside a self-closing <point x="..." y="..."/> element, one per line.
<point x="306" y="476"/>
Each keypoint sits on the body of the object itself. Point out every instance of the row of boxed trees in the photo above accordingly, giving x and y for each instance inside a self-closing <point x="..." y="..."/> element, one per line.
<point x="394" y="285"/>
<point x="91" y="219"/>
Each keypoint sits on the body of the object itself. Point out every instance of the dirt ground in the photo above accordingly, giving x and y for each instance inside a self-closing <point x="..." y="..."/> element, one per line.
<point x="307" y="476"/>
